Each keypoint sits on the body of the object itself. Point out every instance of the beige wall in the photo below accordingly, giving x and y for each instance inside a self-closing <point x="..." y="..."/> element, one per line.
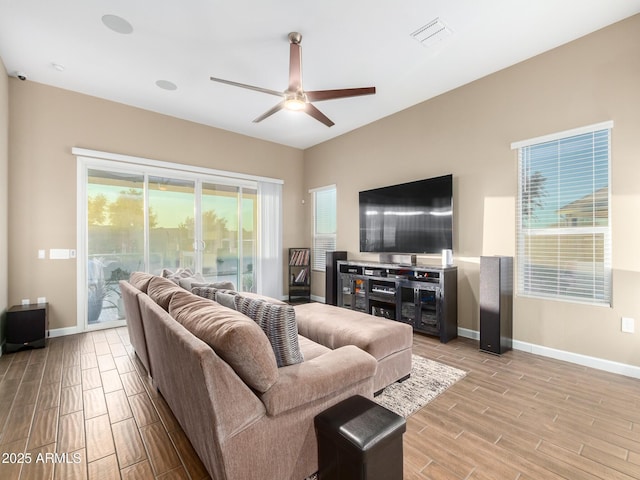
<point x="468" y="132"/>
<point x="4" y="196"/>
<point x="47" y="122"/>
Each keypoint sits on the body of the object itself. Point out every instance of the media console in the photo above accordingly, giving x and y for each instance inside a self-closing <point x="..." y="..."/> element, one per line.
<point x="423" y="296"/>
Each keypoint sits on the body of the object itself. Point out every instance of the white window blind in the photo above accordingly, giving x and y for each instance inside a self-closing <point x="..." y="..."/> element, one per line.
<point x="564" y="229"/>
<point x="324" y="225"/>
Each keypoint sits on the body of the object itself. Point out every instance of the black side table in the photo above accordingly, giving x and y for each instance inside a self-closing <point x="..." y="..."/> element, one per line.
<point x="27" y="326"/>
<point x="359" y="440"/>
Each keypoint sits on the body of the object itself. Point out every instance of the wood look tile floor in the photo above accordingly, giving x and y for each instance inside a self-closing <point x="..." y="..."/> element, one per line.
<point x="88" y="399"/>
<point x="84" y="408"/>
<point x="520" y="416"/>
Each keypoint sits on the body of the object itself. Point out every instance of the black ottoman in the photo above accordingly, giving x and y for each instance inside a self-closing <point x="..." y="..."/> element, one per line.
<point x="359" y="440"/>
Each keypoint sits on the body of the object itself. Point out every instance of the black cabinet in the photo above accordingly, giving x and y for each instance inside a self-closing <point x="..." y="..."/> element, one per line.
<point x="420" y="307"/>
<point x="353" y="293"/>
<point x="496" y="304"/>
<point x="26" y="326"/>
<point x="424" y="297"/>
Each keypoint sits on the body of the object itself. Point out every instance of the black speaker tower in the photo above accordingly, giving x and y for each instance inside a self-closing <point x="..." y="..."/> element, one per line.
<point x="496" y="304"/>
<point x="331" y="276"/>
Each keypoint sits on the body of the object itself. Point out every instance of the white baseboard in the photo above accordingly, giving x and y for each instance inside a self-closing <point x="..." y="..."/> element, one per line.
<point x="61" y="332"/>
<point x="577" y="358"/>
<point x="466" y="333"/>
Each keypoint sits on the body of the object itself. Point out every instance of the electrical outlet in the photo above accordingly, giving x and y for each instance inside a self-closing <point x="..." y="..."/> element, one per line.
<point x="42" y="254"/>
<point x="26" y="301"/>
<point x="42" y="299"/>
<point x="628" y="325"/>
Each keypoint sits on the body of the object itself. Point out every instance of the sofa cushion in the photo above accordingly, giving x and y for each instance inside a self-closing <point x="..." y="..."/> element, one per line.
<point x="140" y="280"/>
<point x="189" y="283"/>
<point x="257" y="296"/>
<point x="209" y="291"/>
<point x="327" y="375"/>
<point x="181" y="274"/>
<point x="223" y="284"/>
<point x="205" y="292"/>
<point x="226" y="298"/>
<point x="335" y="327"/>
<point x="278" y="321"/>
<point x="161" y="290"/>
<point x="311" y="349"/>
<point x="237" y="339"/>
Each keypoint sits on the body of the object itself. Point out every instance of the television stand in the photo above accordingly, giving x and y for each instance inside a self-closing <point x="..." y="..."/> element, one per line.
<point x="424" y="296"/>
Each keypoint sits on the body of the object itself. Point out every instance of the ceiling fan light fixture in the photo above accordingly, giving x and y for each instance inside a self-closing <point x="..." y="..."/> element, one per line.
<point x="295" y="103"/>
<point x="294" y="98"/>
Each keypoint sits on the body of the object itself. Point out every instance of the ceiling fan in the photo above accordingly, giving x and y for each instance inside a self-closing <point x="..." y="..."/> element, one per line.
<point x="294" y="97"/>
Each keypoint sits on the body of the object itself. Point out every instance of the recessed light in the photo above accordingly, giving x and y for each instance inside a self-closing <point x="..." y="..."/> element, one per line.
<point x="117" y="24"/>
<point x="166" y="85"/>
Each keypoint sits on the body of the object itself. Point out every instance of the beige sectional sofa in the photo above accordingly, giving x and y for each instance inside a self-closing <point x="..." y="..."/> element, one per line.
<point x="389" y="342"/>
<point x="246" y="417"/>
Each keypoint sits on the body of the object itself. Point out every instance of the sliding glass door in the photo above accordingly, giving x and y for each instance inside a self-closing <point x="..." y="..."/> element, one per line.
<point x="172" y="235"/>
<point x="229" y="223"/>
<point x="115" y="239"/>
<point x="150" y="222"/>
<point x="249" y="239"/>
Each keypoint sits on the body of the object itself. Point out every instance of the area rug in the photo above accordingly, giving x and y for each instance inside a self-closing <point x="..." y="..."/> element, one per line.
<point x="428" y="380"/>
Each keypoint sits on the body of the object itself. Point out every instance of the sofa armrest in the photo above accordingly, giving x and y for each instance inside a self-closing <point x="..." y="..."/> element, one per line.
<point x="314" y="379"/>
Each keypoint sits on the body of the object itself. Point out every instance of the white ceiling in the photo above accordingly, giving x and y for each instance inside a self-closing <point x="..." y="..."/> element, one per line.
<point x="354" y="43"/>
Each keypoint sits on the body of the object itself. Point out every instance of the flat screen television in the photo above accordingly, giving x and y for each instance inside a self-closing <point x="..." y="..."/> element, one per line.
<point x="414" y="217"/>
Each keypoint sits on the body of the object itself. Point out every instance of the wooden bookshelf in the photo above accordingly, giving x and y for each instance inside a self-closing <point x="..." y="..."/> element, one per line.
<point x="299" y="274"/>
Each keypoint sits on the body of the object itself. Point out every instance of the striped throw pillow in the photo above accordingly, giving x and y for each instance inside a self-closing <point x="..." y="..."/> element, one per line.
<point x="278" y="322"/>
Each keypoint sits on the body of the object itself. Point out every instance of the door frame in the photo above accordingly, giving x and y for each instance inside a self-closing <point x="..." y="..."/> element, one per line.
<point x="92" y="159"/>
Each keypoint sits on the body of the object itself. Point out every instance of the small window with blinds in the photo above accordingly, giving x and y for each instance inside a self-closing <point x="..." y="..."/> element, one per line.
<point x="324" y="225"/>
<point x="563" y="224"/>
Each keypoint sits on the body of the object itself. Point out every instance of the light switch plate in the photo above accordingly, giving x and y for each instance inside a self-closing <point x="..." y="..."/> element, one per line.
<point x="58" y="254"/>
<point x="628" y="325"/>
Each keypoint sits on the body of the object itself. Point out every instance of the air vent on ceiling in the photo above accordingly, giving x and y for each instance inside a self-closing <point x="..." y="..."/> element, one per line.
<point x="432" y="33"/>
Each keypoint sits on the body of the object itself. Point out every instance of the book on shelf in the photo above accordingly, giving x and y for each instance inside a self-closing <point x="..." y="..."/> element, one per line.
<point x="299" y="257"/>
<point x="302" y="275"/>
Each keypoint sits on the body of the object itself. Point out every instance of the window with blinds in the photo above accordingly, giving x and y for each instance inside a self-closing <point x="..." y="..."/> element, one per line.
<point x="563" y="226"/>
<point x="324" y="225"/>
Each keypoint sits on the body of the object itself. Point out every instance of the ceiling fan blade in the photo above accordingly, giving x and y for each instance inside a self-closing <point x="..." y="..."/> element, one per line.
<point x="318" y="115"/>
<point x="295" y="67"/>
<point x="250" y="87"/>
<point x="270" y="112"/>
<point x="319" y="95"/>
